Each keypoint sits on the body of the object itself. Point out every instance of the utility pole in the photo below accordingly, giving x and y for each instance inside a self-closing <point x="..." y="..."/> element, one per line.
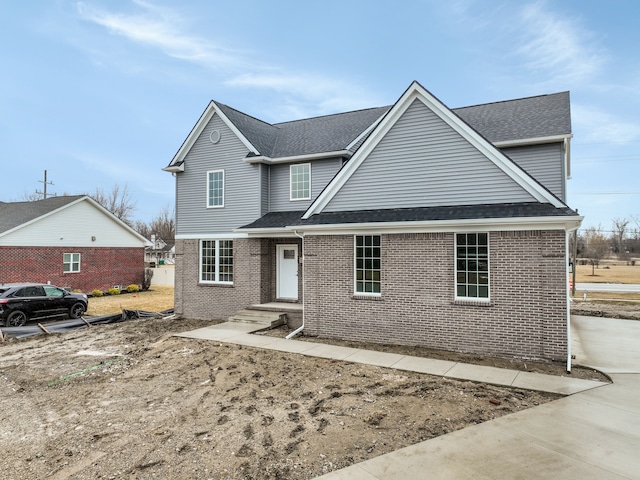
<point x="44" y="192"/>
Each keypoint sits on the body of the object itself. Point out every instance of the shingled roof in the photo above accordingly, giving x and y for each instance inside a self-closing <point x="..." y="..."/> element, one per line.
<point x="509" y="120"/>
<point x="14" y="214"/>
<point x="420" y="214"/>
<point x="328" y="133"/>
<point x="524" y="118"/>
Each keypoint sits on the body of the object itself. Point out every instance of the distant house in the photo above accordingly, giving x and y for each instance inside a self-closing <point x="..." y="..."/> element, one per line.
<point x="412" y="223"/>
<point x="159" y="252"/>
<point x="70" y="241"/>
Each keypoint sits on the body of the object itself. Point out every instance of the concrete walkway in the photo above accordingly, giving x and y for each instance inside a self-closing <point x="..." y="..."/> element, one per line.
<point x="592" y="434"/>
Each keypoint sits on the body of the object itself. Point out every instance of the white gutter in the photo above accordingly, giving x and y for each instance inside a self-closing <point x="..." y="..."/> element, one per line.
<point x="174" y="168"/>
<point x="532" y="141"/>
<point x="298" y="158"/>
<point x="301" y="327"/>
<point x="495" y="224"/>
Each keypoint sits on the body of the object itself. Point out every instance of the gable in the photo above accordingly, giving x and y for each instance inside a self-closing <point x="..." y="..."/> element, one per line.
<point x="74" y="226"/>
<point x="242" y="182"/>
<point x="423" y="162"/>
<point x="439" y="134"/>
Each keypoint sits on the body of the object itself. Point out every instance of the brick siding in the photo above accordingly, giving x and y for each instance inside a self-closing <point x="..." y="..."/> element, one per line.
<point x="100" y="268"/>
<point x="254" y="264"/>
<point x="525" y="318"/>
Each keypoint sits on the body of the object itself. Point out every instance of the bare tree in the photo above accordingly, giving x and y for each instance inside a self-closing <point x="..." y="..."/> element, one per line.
<point x="164" y="225"/>
<point x="619" y="229"/>
<point x="596" y="246"/>
<point x="30" y="197"/>
<point x="143" y="229"/>
<point x="118" y="202"/>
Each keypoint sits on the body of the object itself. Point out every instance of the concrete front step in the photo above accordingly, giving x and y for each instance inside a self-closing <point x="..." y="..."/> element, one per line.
<point x="261" y="317"/>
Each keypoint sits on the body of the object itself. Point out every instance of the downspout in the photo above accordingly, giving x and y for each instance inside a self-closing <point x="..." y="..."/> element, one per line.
<point x="301" y="327"/>
<point x="566" y="283"/>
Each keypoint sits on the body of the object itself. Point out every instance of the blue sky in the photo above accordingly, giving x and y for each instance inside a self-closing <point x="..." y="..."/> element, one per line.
<point x="103" y="93"/>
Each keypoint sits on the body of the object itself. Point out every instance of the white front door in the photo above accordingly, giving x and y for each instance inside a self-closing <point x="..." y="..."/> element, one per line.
<point x="287" y="272"/>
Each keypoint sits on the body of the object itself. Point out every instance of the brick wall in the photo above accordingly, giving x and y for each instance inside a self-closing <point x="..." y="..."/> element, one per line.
<point x="100" y="268"/>
<point x="525" y="318"/>
<point x="254" y="265"/>
<point x="209" y="301"/>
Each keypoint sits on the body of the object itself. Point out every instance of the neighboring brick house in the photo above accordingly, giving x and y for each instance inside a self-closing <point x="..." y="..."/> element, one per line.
<point x="70" y="241"/>
<point x="412" y="223"/>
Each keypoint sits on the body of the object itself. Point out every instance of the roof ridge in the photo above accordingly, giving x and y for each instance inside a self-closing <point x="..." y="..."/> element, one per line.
<point x="331" y="115"/>
<point x="245" y="114"/>
<point x="510" y="100"/>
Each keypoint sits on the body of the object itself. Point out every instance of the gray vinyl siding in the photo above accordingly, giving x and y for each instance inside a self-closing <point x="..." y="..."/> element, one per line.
<point x="264" y="189"/>
<point x="322" y="171"/>
<point x="545" y="163"/>
<point x="424" y="162"/>
<point x="241" y="185"/>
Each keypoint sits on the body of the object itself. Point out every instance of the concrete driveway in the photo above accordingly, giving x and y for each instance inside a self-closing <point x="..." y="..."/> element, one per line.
<point x="590" y="435"/>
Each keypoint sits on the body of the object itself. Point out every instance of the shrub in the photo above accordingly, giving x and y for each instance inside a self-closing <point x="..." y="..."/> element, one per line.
<point x="113" y="291"/>
<point x="132" y="288"/>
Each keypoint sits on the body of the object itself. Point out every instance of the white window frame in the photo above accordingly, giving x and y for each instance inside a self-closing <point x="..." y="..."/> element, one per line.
<point x="291" y="183"/>
<point x="71" y="262"/>
<point x="355" y="267"/>
<point x="209" y="197"/>
<point x="217" y="273"/>
<point x="477" y="299"/>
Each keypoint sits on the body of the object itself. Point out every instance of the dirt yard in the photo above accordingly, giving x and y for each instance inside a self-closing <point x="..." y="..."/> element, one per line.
<point x="131" y="401"/>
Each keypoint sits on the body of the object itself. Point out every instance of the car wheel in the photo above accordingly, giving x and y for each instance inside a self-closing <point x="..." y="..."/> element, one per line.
<point x="77" y="310"/>
<point x="16" y="319"/>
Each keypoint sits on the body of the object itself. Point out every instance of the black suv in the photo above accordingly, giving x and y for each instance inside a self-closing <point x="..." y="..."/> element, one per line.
<point x="20" y="302"/>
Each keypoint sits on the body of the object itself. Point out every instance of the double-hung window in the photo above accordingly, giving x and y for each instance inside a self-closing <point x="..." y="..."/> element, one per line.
<point x="300" y="181"/>
<point x="367" y="264"/>
<point x="216" y="261"/>
<point x="71" y="262"/>
<point x="472" y="266"/>
<point x="215" y="188"/>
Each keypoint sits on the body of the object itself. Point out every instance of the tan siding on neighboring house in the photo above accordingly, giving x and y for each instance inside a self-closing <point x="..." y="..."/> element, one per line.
<point x="526" y="316"/>
<point x="79" y="225"/>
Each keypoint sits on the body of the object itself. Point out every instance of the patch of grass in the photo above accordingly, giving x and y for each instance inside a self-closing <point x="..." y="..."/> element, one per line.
<point x="610" y="271"/>
<point x="156" y="299"/>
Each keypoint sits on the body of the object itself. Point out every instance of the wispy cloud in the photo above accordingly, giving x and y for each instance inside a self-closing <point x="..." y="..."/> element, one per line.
<point x="160" y="28"/>
<point x="165" y="30"/>
<point x="557" y="46"/>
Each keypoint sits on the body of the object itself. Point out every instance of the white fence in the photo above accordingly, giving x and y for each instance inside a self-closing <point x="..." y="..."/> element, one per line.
<point x="164" y="275"/>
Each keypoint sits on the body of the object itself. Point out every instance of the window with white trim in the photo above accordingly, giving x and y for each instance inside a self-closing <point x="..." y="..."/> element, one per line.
<point x="472" y="266"/>
<point x="300" y="181"/>
<point x="71" y="262"/>
<point x="367" y="264"/>
<point x="216" y="261"/>
<point x="215" y="188"/>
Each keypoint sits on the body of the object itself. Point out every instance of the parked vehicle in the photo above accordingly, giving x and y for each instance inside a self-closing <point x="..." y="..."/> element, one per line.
<point x="21" y="302"/>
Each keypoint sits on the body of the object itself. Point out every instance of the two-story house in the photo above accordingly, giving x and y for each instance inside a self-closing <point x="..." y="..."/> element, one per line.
<point x="411" y="223"/>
